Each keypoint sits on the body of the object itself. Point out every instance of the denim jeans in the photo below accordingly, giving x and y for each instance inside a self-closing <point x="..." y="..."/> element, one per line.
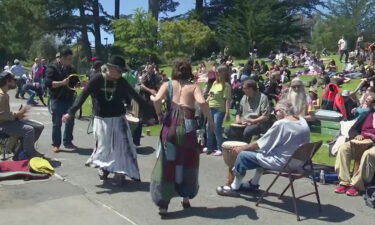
<point x="246" y="160"/>
<point x="137" y="134"/>
<point x="218" y="117"/>
<point x="31" y="94"/>
<point x="20" y="82"/>
<point x="28" y="131"/>
<point x="59" y="108"/>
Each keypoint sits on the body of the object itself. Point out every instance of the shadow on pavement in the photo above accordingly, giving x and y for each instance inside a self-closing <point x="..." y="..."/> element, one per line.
<point x="306" y="209"/>
<point x="145" y="150"/>
<point x="85" y="118"/>
<point x="80" y="151"/>
<point x="214" y="213"/>
<point x="54" y="163"/>
<point x="129" y="186"/>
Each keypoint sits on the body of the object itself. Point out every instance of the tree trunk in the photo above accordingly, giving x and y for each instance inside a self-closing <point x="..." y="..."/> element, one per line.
<point x="117" y="9"/>
<point x="98" y="40"/>
<point x="199" y="9"/>
<point x="153" y="8"/>
<point x="117" y="15"/>
<point x="85" y="43"/>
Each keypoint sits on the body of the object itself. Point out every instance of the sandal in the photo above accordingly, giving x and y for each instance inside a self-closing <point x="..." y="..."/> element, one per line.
<point x="185" y="204"/>
<point x="103" y="174"/>
<point x="119" y="179"/>
<point x="163" y="211"/>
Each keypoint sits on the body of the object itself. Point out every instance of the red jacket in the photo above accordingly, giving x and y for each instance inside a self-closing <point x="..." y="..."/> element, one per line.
<point x="332" y="99"/>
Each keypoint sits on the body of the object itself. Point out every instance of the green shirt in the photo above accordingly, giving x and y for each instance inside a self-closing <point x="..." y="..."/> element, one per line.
<point x="218" y="95"/>
<point x="130" y="78"/>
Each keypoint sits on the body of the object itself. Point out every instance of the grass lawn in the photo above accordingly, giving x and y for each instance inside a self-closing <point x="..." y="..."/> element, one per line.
<point x="321" y="156"/>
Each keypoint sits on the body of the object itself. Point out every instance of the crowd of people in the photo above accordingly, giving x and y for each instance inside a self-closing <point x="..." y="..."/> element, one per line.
<point x="273" y="110"/>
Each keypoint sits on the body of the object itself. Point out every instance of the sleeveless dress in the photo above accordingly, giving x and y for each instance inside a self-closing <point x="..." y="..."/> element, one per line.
<point x="176" y="169"/>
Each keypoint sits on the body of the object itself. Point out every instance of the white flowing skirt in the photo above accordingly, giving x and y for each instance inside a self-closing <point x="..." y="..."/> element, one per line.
<point x="114" y="150"/>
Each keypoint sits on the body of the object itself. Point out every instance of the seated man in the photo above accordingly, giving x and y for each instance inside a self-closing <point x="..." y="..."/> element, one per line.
<point x="365" y="173"/>
<point x="12" y="123"/>
<point x="252" y="112"/>
<point x="362" y="129"/>
<point x="272" y="150"/>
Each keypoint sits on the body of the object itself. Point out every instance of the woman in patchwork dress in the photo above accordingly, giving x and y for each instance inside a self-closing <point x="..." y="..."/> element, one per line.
<point x="176" y="169"/>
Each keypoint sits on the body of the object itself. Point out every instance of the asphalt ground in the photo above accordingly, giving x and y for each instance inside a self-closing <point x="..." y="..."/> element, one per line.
<point x="80" y="198"/>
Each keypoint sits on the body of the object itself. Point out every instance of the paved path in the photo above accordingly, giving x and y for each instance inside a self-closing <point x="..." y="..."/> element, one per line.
<point x="82" y="199"/>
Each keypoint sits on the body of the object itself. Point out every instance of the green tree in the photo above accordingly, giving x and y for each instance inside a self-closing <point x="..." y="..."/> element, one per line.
<point x="183" y="38"/>
<point x="137" y="37"/>
<point x="72" y="19"/>
<point x="350" y="18"/>
<point x="267" y="22"/>
<point x="22" y="22"/>
<point x="45" y="48"/>
<point x="157" y="6"/>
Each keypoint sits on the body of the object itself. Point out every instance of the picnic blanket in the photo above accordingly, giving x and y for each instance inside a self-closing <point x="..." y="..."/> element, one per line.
<point x="18" y="170"/>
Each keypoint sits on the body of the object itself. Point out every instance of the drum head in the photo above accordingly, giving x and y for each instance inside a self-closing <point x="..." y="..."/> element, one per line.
<point x="232" y="144"/>
<point x="237" y="125"/>
<point x="131" y="118"/>
<point x="364" y="141"/>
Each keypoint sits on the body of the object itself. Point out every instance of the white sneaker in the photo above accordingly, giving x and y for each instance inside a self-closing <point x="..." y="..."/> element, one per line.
<point x="217" y="153"/>
<point x="205" y="149"/>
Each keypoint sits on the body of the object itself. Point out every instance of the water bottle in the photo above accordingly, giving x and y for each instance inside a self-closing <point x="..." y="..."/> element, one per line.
<point x="322" y="177"/>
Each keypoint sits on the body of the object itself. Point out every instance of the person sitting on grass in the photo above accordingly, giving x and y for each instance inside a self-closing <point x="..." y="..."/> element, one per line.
<point x="272" y="150"/>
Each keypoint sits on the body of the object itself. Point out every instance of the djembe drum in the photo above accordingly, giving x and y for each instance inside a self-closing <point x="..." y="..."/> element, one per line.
<point x="132" y="121"/>
<point x="359" y="147"/>
<point x="230" y="157"/>
<point x="237" y="131"/>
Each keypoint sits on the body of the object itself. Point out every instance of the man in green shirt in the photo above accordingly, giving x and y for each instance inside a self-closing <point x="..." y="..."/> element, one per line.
<point x="253" y="112"/>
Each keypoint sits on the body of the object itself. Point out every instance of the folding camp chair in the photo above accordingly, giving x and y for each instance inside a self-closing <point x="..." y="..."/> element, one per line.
<point x="305" y="154"/>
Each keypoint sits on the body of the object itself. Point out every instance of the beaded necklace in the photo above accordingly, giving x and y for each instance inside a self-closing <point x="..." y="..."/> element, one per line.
<point x="105" y="90"/>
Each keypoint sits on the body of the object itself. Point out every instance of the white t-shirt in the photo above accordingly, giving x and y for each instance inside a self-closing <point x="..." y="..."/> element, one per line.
<point x="349" y="67"/>
<point x="342" y="44"/>
<point x="281" y="141"/>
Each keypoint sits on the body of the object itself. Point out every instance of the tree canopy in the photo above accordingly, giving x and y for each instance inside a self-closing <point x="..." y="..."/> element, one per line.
<point x="350" y="18"/>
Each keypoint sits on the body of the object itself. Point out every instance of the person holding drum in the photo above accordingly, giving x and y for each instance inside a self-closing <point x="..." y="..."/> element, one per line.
<point x="114" y="150"/>
<point x="176" y="169"/>
<point x="252" y="115"/>
<point x="272" y="150"/>
<point x="361" y="136"/>
<point x="62" y="98"/>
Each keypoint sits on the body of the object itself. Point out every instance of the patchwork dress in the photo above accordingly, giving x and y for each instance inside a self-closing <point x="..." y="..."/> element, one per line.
<point x="176" y="169"/>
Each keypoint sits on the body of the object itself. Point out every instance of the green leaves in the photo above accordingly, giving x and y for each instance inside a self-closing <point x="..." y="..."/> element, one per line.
<point x="344" y="17"/>
<point x="183" y="38"/>
<point x="267" y="22"/>
<point x="136" y="36"/>
<point x="140" y="39"/>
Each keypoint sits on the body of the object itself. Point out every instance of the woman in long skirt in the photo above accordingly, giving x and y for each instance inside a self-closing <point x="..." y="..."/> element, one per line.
<point x="176" y="169"/>
<point x="114" y="150"/>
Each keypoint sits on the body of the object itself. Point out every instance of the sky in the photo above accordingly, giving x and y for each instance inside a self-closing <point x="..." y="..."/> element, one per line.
<point x="128" y="6"/>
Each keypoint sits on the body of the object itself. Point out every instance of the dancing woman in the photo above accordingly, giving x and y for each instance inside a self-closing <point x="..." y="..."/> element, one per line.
<point x="114" y="150"/>
<point x="176" y="169"/>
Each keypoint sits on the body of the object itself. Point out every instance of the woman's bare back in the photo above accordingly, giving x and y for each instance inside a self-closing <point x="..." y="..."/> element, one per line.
<point x="184" y="93"/>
